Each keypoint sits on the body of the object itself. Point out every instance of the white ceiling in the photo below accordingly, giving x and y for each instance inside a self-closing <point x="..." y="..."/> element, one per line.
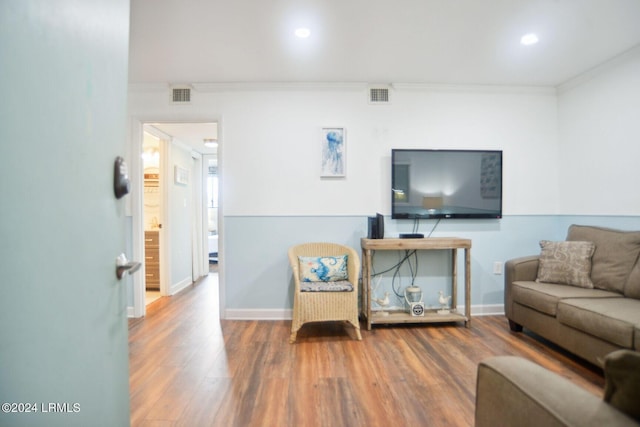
<point x="191" y="134"/>
<point x="377" y="41"/>
<point x="373" y="41"/>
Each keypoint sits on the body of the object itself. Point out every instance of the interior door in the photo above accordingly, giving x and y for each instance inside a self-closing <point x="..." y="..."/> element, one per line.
<point x="63" y="326"/>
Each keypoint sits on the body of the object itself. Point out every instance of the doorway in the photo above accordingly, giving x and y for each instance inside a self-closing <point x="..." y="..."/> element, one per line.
<point x="152" y="213"/>
<point x="177" y="213"/>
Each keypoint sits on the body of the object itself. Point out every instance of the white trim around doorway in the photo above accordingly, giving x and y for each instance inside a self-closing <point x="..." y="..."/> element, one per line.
<point x="137" y="128"/>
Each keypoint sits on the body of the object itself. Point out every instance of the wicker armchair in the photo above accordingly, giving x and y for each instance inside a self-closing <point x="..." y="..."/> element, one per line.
<point x="324" y="306"/>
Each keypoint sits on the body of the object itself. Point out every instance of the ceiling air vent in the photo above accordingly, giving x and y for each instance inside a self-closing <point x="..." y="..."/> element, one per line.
<point x="181" y="95"/>
<point x="378" y="95"/>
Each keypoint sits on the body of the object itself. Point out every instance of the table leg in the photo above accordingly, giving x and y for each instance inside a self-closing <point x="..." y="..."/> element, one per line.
<point x="467" y="286"/>
<point x="454" y="279"/>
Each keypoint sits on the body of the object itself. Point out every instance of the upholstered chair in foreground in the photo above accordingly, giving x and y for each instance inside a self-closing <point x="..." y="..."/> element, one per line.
<point x="512" y="391"/>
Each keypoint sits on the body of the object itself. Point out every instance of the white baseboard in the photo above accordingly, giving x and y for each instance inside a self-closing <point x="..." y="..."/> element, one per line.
<point x="487" y="310"/>
<point x="177" y="287"/>
<point x="130" y="311"/>
<point x="286" y="314"/>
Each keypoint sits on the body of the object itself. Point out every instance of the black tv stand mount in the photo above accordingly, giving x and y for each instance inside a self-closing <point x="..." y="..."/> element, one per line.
<point x="411" y="236"/>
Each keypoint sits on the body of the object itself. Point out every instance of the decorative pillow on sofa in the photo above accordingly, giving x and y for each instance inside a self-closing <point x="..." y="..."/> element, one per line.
<point x="323" y="269"/>
<point x="622" y="381"/>
<point x="615" y="255"/>
<point x="566" y="263"/>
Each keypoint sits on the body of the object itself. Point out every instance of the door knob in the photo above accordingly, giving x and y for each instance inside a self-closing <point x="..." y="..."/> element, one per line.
<point x="124" y="266"/>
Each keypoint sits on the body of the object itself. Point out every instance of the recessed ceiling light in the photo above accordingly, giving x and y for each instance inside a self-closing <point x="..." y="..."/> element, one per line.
<point x="529" y="39"/>
<point x="302" y="33"/>
<point x="210" y="142"/>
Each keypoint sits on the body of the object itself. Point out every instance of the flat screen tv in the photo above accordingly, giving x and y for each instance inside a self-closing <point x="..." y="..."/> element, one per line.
<point x="446" y="184"/>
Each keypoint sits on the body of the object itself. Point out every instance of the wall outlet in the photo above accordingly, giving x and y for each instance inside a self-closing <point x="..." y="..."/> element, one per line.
<point x="497" y="267"/>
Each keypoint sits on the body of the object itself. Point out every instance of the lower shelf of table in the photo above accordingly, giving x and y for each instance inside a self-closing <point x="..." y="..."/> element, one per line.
<point x="430" y="316"/>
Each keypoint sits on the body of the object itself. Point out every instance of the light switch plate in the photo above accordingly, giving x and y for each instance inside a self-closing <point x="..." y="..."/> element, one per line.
<point x="497" y="267"/>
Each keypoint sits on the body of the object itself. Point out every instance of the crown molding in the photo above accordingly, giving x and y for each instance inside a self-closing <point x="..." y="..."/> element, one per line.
<point x="590" y="74"/>
<point x="258" y="86"/>
<point x="341" y="86"/>
<point x="473" y="88"/>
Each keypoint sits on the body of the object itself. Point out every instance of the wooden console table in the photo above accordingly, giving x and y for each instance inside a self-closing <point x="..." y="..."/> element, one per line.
<point x="430" y="243"/>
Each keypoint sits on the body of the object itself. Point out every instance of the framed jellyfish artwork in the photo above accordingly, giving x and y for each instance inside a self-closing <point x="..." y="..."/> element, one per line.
<point x="334" y="152"/>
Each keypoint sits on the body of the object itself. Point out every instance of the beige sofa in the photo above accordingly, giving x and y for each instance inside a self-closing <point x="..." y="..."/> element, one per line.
<point x="582" y="294"/>
<point x="512" y="391"/>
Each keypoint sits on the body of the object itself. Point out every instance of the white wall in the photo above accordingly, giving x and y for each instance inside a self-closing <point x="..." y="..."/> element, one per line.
<point x="273" y="196"/>
<point x="180" y="219"/>
<point x="560" y="166"/>
<point x="600" y="140"/>
<point x="271" y="140"/>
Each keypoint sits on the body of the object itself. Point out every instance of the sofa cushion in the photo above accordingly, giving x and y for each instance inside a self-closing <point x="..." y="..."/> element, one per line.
<point x="622" y="381"/>
<point x="567" y="263"/>
<point x="339" y="286"/>
<point x="632" y="287"/>
<point x="544" y="297"/>
<point x="610" y="319"/>
<point x="615" y="254"/>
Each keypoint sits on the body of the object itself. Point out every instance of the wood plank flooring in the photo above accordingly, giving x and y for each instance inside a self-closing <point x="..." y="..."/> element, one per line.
<point x="188" y="368"/>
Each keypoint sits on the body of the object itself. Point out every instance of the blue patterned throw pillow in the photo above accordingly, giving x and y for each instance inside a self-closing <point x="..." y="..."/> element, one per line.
<point x="323" y="269"/>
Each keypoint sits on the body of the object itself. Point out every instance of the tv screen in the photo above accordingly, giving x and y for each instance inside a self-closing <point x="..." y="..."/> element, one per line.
<point x="446" y="184"/>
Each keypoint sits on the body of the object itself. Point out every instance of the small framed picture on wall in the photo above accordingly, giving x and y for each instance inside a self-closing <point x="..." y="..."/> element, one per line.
<point x="334" y="152"/>
<point x="181" y="175"/>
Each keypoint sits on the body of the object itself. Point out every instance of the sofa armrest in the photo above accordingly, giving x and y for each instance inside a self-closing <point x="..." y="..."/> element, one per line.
<point x="524" y="269"/>
<point x="512" y="391"/>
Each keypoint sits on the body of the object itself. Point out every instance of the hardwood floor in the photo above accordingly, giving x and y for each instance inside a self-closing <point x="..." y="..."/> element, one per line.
<point x="188" y="368"/>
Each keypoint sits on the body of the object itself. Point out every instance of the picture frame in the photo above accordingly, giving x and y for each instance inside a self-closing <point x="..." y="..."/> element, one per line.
<point x="181" y="175"/>
<point x="334" y="153"/>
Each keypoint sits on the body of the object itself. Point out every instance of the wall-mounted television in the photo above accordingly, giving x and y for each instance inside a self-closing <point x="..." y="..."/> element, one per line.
<point x="446" y="184"/>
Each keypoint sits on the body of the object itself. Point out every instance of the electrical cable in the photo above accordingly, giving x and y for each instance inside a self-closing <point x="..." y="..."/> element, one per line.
<point x="396" y="270"/>
<point x="414" y="271"/>
<point x="408" y="254"/>
<point x="434" y="227"/>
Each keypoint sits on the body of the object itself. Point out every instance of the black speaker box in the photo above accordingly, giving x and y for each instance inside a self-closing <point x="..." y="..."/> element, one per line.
<point x="376" y="227"/>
